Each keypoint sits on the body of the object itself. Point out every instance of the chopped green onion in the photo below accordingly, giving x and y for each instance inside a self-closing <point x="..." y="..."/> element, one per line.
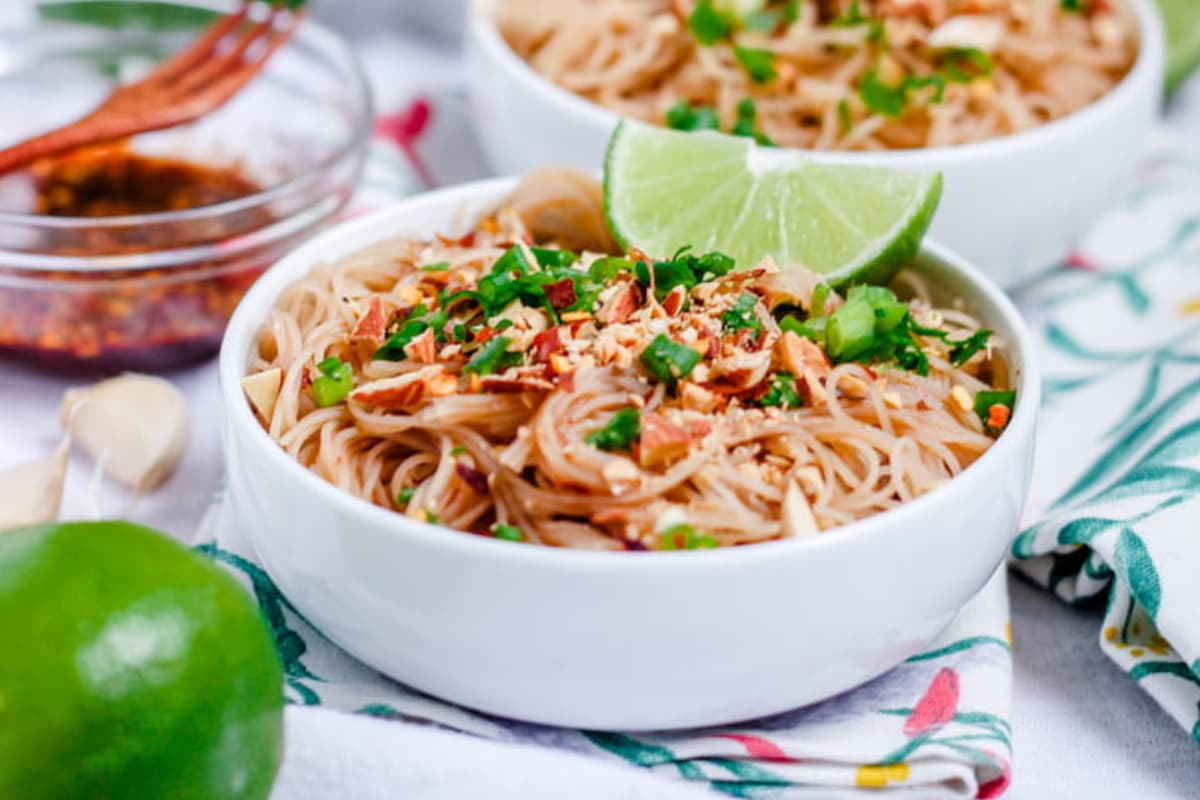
<point x="668" y="361"/>
<point x="684" y="537"/>
<point x="819" y="296"/>
<point x="850" y="331"/>
<point x="707" y="24"/>
<point x="334" y="384"/>
<point x="508" y="533"/>
<point x="782" y="393"/>
<point x="759" y="64"/>
<point x="684" y="117"/>
<point x="883" y="98"/>
<point x="406" y="495"/>
<point x="1072" y="5"/>
<point x="791" y="11"/>
<point x="553" y="257"/>
<point x="458" y="450"/>
<point x="440" y="266"/>
<point x="619" y="433"/>
<point x="608" y="268"/>
<point x="461" y="333"/>
<point x="493" y="357"/>
<point x="432" y="518"/>
<point x="741" y="314"/>
<point x="812" y="328"/>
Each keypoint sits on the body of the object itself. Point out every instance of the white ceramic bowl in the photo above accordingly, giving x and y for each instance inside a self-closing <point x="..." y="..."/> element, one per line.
<point x="1013" y="206"/>
<point x="617" y="640"/>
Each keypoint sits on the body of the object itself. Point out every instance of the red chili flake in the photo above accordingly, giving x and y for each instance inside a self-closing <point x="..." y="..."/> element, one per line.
<point x="483" y="334"/>
<point x="561" y="294"/>
<point x="472" y="477"/>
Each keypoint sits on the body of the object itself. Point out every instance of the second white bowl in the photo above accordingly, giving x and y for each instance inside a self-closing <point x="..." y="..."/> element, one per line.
<point x="1013" y="205"/>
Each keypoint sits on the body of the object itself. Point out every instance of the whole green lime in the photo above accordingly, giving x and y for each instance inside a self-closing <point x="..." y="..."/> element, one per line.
<point x="132" y="668"/>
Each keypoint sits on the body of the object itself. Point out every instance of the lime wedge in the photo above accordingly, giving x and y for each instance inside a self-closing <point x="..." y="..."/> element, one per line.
<point x="1181" y="21"/>
<point x="667" y="189"/>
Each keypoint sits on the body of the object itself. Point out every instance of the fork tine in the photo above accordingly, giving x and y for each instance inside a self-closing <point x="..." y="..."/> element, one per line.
<point x="200" y="49"/>
<point x="207" y="72"/>
<point x="226" y="86"/>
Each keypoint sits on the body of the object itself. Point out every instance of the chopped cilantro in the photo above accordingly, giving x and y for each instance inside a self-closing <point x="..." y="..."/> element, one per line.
<point x="962" y="351"/>
<point x="759" y="64"/>
<point x="707" y="24"/>
<point x="889" y="100"/>
<point x="619" y="433"/>
<point x="741" y="314"/>
<point x="684" y="117"/>
<point x="747" y="123"/>
<point x="965" y="64"/>
<point x="782" y="393"/>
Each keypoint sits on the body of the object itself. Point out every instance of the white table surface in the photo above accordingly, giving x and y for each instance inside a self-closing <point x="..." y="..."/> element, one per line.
<point x="1082" y="728"/>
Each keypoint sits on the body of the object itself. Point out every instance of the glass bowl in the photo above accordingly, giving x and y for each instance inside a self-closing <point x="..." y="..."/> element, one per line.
<point x="154" y="291"/>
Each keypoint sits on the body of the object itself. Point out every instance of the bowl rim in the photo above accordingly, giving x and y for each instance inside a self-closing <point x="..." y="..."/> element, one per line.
<point x="239" y="421"/>
<point x="325" y="41"/>
<point x="1147" y="68"/>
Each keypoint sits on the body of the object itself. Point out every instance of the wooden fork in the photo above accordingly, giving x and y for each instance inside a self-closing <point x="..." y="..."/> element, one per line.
<point x="182" y="89"/>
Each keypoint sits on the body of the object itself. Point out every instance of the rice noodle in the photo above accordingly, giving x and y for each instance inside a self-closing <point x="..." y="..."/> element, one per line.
<point x="868" y="437"/>
<point x="638" y="58"/>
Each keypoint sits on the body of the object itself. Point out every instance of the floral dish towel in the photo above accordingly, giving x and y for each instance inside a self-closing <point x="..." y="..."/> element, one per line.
<point x="1115" y="510"/>
<point x="938" y="722"/>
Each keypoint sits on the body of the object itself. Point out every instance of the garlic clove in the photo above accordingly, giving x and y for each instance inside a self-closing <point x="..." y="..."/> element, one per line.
<point x="31" y="493"/>
<point x="136" y="424"/>
<point x="262" y="389"/>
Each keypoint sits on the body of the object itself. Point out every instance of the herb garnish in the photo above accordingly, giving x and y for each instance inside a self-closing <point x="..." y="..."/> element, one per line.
<point x="335" y="382"/>
<point x="994" y="421"/>
<point x="741" y="314"/>
<point x="669" y="361"/>
<point x="620" y="432"/>
<point x="684" y="537"/>
<point x="874" y="326"/>
<point x="508" y="533"/>
<point x="493" y="357"/>
<point x="758" y="63"/>
<point x="782" y="393"/>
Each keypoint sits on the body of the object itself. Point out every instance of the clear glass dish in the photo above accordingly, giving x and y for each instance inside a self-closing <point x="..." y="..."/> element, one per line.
<point x="154" y="291"/>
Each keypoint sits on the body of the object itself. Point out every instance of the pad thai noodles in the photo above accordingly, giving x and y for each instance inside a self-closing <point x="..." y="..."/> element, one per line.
<point x="831" y="74"/>
<point x="531" y="382"/>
